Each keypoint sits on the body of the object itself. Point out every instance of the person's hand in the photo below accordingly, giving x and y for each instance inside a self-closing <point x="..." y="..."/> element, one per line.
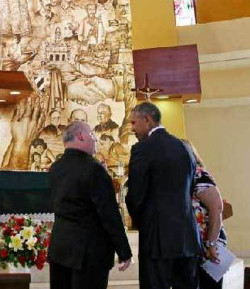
<point x="227" y="210"/>
<point x="213" y="255"/>
<point x="124" y="265"/>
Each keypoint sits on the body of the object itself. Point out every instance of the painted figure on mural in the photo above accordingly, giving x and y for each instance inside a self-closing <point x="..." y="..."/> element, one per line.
<point x="45" y="13"/>
<point x="122" y="11"/>
<point x="68" y="6"/>
<point x="106" y="8"/>
<point x="36" y="162"/>
<point x="112" y="152"/>
<point x="15" y="17"/>
<point x="40" y="147"/>
<point x="15" y="50"/>
<point x="78" y="115"/>
<point x="16" y="55"/>
<point x="91" y="31"/>
<point x="55" y="128"/>
<point x="106" y="124"/>
<point x="62" y="47"/>
<point x="70" y="10"/>
<point x="26" y="124"/>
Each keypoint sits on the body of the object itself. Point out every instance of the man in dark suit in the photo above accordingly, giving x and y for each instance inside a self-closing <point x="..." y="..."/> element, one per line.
<point x="161" y="172"/>
<point x="88" y="228"/>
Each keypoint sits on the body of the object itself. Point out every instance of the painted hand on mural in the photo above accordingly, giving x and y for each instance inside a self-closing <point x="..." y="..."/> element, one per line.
<point x="26" y="124"/>
<point x="27" y="120"/>
<point x="94" y="89"/>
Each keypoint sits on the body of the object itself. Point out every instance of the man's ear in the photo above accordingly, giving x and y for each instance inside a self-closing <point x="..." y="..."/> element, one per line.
<point x="148" y="120"/>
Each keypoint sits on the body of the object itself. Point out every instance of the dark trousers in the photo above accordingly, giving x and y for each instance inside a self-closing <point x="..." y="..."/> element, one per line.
<point x="178" y="273"/>
<point x="94" y="277"/>
<point x="207" y="282"/>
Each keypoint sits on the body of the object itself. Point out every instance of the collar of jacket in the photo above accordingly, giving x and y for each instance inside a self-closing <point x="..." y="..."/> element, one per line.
<point x="155" y="128"/>
<point x="73" y="151"/>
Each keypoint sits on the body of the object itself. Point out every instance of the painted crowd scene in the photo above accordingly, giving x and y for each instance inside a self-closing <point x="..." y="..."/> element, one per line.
<point x="77" y="56"/>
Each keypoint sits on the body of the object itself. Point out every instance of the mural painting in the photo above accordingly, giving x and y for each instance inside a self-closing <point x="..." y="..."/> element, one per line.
<point x="77" y="56"/>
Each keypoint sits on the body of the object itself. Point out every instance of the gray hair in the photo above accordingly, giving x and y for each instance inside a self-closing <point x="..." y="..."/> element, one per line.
<point x="147" y="108"/>
<point x="73" y="129"/>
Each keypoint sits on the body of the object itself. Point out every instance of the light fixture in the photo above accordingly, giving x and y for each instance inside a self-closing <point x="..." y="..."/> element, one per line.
<point x="191" y="100"/>
<point x="162" y="97"/>
<point x="15" y="92"/>
<point x="3" y="100"/>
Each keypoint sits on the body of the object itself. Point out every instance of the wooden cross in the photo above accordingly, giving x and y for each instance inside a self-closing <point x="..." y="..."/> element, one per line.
<point x="146" y="90"/>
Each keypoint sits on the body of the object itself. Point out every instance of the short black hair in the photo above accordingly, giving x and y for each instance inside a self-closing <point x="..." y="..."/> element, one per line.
<point x="148" y="108"/>
<point x="39" y="141"/>
<point x="104" y="137"/>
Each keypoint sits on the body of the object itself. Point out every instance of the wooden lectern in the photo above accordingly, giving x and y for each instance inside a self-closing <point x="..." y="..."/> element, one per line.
<point x="15" y="280"/>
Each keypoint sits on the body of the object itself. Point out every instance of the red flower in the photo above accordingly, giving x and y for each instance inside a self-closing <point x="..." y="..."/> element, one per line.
<point x="39" y="265"/>
<point x="41" y="259"/>
<point x="4" y="253"/>
<point x="46" y="242"/>
<point x="7" y="232"/>
<point x="38" y="229"/>
<point x="200" y="218"/>
<point x="11" y="228"/>
<point x="20" y="221"/>
<point x="17" y="228"/>
<point x="42" y="254"/>
<point x="21" y="260"/>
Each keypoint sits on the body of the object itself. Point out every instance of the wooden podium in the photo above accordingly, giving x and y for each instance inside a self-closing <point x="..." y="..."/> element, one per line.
<point x="15" y="280"/>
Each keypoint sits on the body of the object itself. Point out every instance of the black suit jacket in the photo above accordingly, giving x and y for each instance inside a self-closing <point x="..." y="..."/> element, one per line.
<point x="161" y="173"/>
<point x="87" y="219"/>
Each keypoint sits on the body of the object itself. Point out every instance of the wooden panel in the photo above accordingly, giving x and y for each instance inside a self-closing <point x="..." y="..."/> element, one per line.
<point x="15" y="281"/>
<point x="175" y="70"/>
<point x="12" y="99"/>
<point x="218" y="10"/>
<point x="15" y="80"/>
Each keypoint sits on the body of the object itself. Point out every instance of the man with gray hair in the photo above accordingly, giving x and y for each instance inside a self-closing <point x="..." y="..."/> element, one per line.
<point x="161" y="172"/>
<point x="88" y="229"/>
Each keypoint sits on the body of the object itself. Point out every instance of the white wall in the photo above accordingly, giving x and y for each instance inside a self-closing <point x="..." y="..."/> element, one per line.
<point x="217" y="37"/>
<point x="220" y="130"/>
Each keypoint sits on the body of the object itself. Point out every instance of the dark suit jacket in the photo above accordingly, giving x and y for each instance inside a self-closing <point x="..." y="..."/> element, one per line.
<point x="87" y="224"/>
<point x="161" y="173"/>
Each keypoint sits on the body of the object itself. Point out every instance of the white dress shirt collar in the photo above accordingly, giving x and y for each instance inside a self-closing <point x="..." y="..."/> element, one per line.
<point x="155" y="128"/>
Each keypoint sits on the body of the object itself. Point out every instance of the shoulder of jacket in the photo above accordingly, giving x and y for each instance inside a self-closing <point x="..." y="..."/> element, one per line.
<point x="141" y="147"/>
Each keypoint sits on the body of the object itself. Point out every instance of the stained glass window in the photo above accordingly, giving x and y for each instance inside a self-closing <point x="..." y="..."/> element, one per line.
<point x="184" y="12"/>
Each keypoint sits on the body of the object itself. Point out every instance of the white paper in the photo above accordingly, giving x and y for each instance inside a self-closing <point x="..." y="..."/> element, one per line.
<point x="216" y="271"/>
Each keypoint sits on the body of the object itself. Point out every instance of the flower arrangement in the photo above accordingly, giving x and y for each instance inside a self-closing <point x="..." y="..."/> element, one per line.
<point x="23" y="241"/>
